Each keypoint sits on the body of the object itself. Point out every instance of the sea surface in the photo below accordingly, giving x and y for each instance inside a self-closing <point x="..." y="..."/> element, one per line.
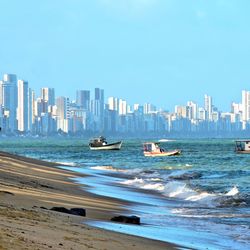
<point x="199" y="199"/>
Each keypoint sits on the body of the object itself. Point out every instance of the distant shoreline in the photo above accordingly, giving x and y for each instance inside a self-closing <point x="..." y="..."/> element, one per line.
<point x="130" y="136"/>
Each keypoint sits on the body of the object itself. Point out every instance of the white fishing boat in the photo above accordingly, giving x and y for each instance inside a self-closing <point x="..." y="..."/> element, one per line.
<point x="242" y="146"/>
<point x="100" y="143"/>
<point x="153" y="149"/>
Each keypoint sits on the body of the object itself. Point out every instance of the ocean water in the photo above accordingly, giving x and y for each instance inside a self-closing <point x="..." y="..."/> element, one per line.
<point x="199" y="199"/>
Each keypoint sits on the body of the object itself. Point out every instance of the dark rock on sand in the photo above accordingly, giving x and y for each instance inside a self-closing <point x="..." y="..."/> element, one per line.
<point x="127" y="219"/>
<point x="5" y="192"/>
<point x="74" y="211"/>
<point x="78" y="211"/>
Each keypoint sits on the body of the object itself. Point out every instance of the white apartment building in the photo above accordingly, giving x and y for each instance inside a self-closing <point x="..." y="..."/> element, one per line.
<point x="245" y="108"/>
<point x="9" y="100"/>
<point x="23" y="106"/>
<point x="208" y="106"/>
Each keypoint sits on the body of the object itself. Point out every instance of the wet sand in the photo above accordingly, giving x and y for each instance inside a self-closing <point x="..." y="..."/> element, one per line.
<point x="27" y="186"/>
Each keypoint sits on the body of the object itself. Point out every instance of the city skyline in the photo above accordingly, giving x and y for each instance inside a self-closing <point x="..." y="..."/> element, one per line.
<point x="22" y="111"/>
<point x="147" y="50"/>
<point x="49" y="93"/>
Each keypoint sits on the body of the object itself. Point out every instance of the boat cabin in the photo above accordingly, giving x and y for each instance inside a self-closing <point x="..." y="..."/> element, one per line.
<point x="152" y="147"/>
<point x="242" y="146"/>
<point x="99" y="141"/>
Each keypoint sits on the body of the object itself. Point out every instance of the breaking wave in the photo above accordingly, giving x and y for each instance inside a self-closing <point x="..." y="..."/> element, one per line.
<point x="185" y="175"/>
<point x="140" y="183"/>
<point x="72" y="164"/>
<point x="182" y="191"/>
<point x="107" y="168"/>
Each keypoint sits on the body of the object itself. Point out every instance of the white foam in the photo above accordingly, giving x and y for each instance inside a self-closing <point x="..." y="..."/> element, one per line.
<point x="202" y="196"/>
<point x="233" y="191"/>
<point x="135" y="182"/>
<point x="134" y="171"/>
<point x="178" y="190"/>
<point x="107" y="168"/>
<point x="154" y="186"/>
<point x="155" y="179"/>
<point x="182" y="191"/>
<point x="138" y="182"/>
<point x="73" y="164"/>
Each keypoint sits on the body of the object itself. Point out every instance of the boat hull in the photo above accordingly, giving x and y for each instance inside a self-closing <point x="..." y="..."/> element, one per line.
<point x="243" y="152"/>
<point x="164" y="153"/>
<point x="111" y="146"/>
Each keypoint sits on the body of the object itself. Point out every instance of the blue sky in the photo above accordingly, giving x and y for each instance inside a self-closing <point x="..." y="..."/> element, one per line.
<point x="165" y="52"/>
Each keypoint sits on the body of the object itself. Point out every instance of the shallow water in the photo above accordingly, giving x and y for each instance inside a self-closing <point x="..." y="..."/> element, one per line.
<point x="203" y="196"/>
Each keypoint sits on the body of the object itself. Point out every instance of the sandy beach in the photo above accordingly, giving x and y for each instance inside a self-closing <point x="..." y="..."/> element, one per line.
<point x="27" y="186"/>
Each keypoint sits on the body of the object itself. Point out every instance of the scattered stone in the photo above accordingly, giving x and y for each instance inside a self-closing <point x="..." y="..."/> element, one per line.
<point x="78" y="211"/>
<point x="6" y="192"/>
<point x="46" y="186"/>
<point x="61" y="210"/>
<point x="127" y="219"/>
<point x="74" y="211"/>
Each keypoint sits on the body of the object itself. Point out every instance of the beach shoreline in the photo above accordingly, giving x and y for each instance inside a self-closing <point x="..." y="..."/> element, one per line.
<point x="28" y="185"/>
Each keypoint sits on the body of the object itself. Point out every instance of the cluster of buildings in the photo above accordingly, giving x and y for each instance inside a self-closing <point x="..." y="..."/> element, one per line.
<point x="23" y="112"/>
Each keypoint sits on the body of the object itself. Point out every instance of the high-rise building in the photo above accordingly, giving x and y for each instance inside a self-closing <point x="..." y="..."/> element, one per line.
<point x="113" y="103"/>
<point x="83" y="99"/>
<point x="236" y="108"/>
<point x="23" y="106"/>
<point x="9" y="100"/>
<point x="99" y="103"/>
<point x="62" y="104"/>
<point x="31" y="109"/>
<point x="48" y="95"/>
<point x="47" y="98"/>
<point x="122" y="107"/>
<point x="245" y="107"/>
<point x="208" y="106"/>
<point x="192" y="110"/>
<point x="181" y="111"/>
<point x="149" y="108"/>
<point x="201" y="114"/>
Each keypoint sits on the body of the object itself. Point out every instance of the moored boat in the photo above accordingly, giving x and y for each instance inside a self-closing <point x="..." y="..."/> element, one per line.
<point x="153" y="149"/>
<point x="100" y="143"/>
<point x="242" y="146"/>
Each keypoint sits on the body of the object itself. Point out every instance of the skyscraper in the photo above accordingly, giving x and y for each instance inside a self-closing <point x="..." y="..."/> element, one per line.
<point x="122" y="107"/>
<point x="9" y="99"/>
<point x="23" y="106"/>
<point x="113" y="103"/>
<point x="62" y="113"/>
<point x="48" y="95"/>
<point x="148" y="108"/>
<point x="83" y="99"/>
<point x="192" y="110"/>
<point x="99" y="102"/>
<point x="245" y="107"/>
<point x="208" y="107"/>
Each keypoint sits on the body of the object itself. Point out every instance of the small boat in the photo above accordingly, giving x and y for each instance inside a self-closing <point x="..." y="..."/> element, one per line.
<point x="100" y="143"/>
<point x="165" y="140"/>
<point x="153" y="149"/>
<point x="242" y="146"/>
